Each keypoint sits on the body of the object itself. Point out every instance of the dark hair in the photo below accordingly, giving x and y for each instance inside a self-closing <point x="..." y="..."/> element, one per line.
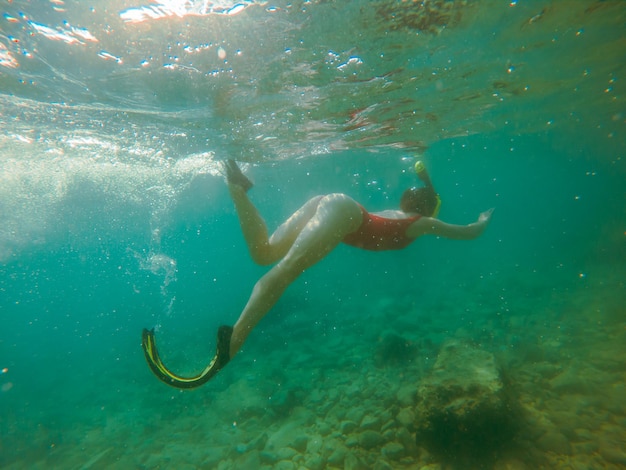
<point x="422" y="201"/>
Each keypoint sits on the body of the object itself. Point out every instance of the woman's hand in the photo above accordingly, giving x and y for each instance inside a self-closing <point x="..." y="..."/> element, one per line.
<point x="485" y="217"/>
<point x="483" y="220"/>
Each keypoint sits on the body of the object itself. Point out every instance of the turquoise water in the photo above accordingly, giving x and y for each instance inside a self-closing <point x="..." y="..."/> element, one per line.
<point x="115" y="216"/>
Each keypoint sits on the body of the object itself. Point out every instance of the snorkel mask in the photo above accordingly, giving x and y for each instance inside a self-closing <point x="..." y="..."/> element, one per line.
<point x="422" y="174"/>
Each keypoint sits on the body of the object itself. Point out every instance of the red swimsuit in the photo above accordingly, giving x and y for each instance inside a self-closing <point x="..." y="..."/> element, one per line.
<point x="379" y="233"/>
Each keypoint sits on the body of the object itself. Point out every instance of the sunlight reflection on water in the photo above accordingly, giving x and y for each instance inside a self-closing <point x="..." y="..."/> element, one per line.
<point x="181" y="8"/>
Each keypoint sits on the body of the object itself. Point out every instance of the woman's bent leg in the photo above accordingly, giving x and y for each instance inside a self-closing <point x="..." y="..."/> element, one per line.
<point x="252" y="224"/>
<point x="336" y="216"/>
<point x="264" y="249"/>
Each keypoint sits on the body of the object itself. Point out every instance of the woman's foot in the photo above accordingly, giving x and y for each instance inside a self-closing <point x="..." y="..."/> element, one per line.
<point x="222" y="353"/>
<point x="235" y="176"/>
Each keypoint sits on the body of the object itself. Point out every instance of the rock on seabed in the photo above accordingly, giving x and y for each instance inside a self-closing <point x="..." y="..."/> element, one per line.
<point x="463" y="409"/>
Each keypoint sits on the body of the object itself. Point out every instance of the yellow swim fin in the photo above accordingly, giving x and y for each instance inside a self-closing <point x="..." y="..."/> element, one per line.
<point x="222" y="357"/>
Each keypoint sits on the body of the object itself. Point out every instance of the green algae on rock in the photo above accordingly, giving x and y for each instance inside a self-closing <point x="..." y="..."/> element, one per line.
<point x="463" y="408"/>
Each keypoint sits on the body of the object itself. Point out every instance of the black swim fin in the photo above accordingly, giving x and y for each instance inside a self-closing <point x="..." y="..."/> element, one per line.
<point x="222" y="357"/>
<point x="234" y="175"/>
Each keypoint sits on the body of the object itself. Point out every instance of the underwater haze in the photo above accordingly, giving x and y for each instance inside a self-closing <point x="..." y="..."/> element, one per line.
<point x="115" y="216"/>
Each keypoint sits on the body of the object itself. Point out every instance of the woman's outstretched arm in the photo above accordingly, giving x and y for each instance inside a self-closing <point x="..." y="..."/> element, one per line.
<point x="431" y="226"/>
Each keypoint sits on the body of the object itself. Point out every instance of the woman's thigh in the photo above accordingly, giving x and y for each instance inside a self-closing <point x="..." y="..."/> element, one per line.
<point x="336" y="216"/>
<point x="284" y="236"/>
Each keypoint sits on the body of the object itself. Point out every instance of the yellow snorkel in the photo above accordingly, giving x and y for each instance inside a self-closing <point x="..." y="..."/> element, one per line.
<point x="422" y="173"/>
